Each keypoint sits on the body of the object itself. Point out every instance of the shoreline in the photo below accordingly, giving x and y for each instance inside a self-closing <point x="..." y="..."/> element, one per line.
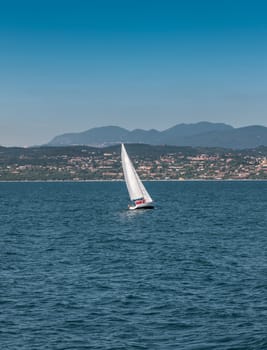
<point x="121" y="180"/>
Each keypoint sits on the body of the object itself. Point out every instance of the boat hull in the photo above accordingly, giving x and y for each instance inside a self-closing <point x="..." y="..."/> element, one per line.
<point x="142" y="206"/>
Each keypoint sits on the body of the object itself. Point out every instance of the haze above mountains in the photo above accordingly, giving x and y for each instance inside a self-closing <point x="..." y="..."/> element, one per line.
<point x="203" y="134"/>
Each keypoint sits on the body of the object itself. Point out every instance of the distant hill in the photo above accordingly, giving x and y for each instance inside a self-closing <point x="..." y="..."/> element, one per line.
<point x="203" y="134"/>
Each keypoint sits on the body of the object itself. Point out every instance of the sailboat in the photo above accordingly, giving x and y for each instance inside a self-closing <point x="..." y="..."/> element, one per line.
<point x="137" y="192"/>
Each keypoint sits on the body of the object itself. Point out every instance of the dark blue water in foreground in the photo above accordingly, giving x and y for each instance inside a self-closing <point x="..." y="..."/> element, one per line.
<point x="79" y="271"/>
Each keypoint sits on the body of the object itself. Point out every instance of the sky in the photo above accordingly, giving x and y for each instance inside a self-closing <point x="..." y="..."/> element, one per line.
<point x="68" y="66"/>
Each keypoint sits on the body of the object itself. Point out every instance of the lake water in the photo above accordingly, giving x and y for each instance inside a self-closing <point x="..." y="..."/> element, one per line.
<point x="80" y="271"/>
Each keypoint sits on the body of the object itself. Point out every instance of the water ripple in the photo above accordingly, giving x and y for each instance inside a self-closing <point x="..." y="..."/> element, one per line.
<point x="79" y="271"/>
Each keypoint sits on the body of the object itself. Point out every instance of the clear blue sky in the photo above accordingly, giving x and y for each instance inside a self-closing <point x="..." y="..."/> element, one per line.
<point x="73" y="65"/>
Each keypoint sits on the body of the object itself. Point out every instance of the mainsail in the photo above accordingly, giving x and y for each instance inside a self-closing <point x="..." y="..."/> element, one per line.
<point x="135" y="187"/>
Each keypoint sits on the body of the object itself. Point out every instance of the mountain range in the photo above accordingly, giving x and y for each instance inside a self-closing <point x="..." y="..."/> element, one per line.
<point x="202" y="134"/>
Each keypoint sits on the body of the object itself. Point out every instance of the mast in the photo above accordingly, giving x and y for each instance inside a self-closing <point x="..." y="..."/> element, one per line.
<point x="134" y="185"/>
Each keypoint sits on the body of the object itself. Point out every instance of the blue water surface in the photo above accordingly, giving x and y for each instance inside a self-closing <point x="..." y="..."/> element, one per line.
<point x="80" y="271"/>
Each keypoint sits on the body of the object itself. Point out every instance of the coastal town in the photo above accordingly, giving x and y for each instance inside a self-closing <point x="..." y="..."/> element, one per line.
<point x="151" y="163"/>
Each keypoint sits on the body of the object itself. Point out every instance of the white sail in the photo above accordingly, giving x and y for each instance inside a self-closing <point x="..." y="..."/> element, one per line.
<point x="135" y="187"/>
